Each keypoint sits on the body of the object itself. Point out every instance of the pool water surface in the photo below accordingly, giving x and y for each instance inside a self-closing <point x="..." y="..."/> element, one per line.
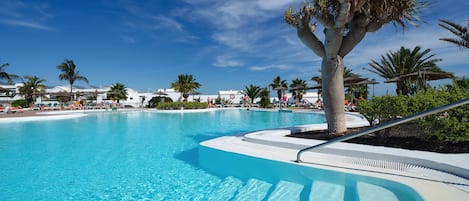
<point x="125" y="156"/>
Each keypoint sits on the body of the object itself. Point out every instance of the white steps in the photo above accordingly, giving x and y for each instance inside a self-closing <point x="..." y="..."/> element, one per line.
<point x="326" y="191"/>
<point x="286" y="191"/>
<point x="226" y="189"/>
<point x="253" y="190"/>
<point x="234" y="189"/>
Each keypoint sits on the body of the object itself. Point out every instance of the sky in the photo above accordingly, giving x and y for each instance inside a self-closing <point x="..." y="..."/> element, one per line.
<point x="225" y="45"/>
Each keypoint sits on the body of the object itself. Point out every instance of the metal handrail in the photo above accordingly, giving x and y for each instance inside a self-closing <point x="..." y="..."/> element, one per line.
<point x="383" y="126"/>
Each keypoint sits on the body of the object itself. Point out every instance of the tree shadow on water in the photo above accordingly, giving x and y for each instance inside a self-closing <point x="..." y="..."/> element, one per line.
<point x="190" y="156"/>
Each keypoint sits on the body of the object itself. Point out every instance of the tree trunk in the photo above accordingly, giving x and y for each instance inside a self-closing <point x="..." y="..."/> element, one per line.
<point x="333" y="94"/>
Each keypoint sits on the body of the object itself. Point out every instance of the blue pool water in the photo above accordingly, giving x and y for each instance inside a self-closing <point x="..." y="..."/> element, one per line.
<point x="124" y="156"/>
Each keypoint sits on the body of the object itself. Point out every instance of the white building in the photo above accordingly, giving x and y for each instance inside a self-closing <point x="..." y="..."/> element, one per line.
<point x="10" y="93"/>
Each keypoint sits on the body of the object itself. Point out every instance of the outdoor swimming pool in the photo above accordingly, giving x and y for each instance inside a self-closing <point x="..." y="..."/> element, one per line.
<point x="130" y="156"/>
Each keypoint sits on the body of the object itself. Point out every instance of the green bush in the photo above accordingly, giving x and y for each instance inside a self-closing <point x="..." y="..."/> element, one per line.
<point x="179" y="105"/>
<point x="19" y="103"/>
<point x="153" y="102"/>
<point x="265" y="99"/>
<point x="384" y="108"/>
<point x="452" y="125"/>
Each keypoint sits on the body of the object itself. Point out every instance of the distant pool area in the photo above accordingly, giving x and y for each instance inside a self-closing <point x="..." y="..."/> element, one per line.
<point x="151" y="155"/>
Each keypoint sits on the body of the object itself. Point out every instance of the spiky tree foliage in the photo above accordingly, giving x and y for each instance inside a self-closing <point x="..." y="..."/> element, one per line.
<point x="298" y="88"/>
<point x="403" y="62"/>
<point x="118" y="92"/>
<point x="279" y="85"/>
<point x="31" y="86"/>
<point x="265" y="98"/>
<point x="185" y="84"/>
<point x="461" y="33"/>
<point x="253" y="91"/>
<point x="4" y="75"/>
<point x="345" y="24"/>
<point x="69" y="73"/>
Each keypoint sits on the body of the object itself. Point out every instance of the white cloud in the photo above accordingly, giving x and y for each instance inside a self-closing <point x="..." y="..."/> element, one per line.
<point x="268" y="67"/>
<point x="274" y="5"/>
<point x="225" y="61"/>
<point x="128" y="39"/>
<point x="163" y="22"/>
<point x="28" y="15"/>
<point x="26" y="24"/>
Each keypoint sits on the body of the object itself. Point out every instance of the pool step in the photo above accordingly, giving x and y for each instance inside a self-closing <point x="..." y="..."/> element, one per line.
<point x="226" y="189"/>
<point x="286" y="191"/>
<point x="371" y="192"/>
<point x="326" y="191"/>
<point x="253" y="190"/>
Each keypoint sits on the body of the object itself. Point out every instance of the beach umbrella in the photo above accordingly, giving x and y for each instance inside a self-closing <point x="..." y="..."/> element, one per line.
<point x="428" y="75"/>
<point x="160" y="93"/>
<point x="318" y="86"/>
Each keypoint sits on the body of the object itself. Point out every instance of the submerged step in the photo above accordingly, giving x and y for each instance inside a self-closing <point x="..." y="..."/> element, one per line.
<point x="324" y="191"/>
<point x="286" y="191"/>
<point x="370" y="192"/>
<point x="226" y="189"/>
<point x="253" y="190"/>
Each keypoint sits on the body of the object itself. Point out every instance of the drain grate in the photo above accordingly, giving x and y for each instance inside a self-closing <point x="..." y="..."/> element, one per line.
<point x="414" y="170"/>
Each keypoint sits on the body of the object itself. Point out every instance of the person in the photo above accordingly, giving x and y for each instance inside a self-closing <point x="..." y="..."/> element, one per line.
<point x="285" y="98"/>
<point x="7" y="109"/>
<point x="319" y="103"/>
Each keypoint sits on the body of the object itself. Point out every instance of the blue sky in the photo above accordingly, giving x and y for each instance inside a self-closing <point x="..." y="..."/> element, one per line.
<point x="223" y="44"/>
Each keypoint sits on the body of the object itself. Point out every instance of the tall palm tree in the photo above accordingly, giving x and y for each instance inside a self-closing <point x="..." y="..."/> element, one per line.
<point x="279" y="85"/>
<point x="461" y="33"/>
<point x="253" y="91"/>
<point x="265" y="98"/>
<point x="185" y="84"/>
<point x="4" y="75"/>
<point x="298" y="88"/>
<point x="69" y="72"/>
<point x="118" y="92"/>
<point x="31" y="87"/>
<point x="403" y="62"/>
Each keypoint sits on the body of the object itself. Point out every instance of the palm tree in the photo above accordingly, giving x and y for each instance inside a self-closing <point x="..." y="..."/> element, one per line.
<point x="31" y="87"/>
<point x="298" y="88"/>
<point x="5" y="75"/>
<point x="265" y="98"/>
<point x="253" y="91"/>
<point x="461" y="33"/>
<point x="70" y="73"/>
<point x="185" y="84"/>
<point x="403" y="62"/>
<point x="279" y="85"/>
<point x="344" y="25"/>
<point x="118" y="92"/>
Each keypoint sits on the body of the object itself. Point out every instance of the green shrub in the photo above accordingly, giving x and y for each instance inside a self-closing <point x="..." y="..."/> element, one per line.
<point x="19" y="103"/>
<point x="153" y="102"/>
<point x="452" y="125"/>
<point x="179" y="105"/>
<point x="265" y="99"/>
<point x="384" y="108"/>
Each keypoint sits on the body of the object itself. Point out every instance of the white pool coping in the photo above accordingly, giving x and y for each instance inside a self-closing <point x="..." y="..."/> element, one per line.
<point x="42" y="118"/>
<point x="59" y="115"/>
